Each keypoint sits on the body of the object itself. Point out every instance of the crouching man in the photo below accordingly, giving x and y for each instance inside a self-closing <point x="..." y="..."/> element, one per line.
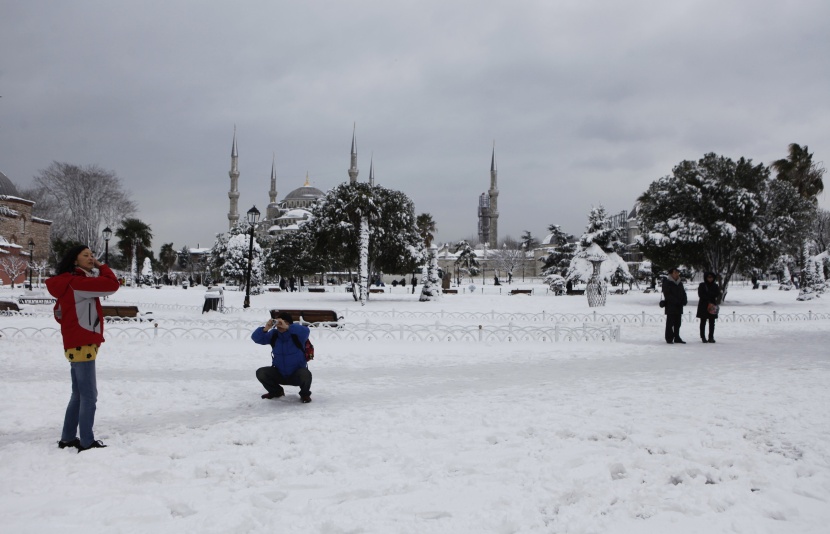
<point x="288" y="361"/>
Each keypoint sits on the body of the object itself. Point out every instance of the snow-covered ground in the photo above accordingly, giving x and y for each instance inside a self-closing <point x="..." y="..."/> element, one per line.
<point x="414" y="437"/>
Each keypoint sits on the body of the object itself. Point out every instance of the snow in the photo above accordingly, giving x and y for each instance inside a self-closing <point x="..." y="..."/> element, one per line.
<point x="569" y="437"/>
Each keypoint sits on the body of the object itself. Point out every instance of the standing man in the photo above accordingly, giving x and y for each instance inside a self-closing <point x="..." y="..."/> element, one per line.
<point x="675" y="298"/>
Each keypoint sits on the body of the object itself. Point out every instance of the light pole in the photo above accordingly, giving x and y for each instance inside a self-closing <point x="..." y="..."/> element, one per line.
<point x="253" y="217"/>
<point x="31" y="260"/>
<point x="524" y="259"/>
<point x="107" y="235"/>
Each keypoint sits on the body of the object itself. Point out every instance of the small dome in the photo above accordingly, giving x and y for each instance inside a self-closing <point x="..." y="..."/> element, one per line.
<point x="7" y="187"/>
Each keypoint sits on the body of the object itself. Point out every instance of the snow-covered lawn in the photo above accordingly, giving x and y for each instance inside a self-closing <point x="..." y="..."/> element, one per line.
<point x="570" y="437"/>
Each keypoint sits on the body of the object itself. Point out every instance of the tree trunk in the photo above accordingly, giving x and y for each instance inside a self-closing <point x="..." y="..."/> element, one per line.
<point x="363" y="276"/>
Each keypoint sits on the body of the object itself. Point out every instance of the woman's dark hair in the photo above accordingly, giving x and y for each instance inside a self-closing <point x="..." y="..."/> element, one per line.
<point x="67" y="263"/>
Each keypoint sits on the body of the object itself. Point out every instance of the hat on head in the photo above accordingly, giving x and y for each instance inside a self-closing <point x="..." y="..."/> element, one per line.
<point x="285" y="316"/>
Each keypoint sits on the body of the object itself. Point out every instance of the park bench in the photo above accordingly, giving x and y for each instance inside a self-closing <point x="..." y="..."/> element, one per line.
<point x="117" y="312"/>
<point x="274" y="289"/>
<point x="6" y="305"/>
<point x="576" y="292"/>
<point x="521" y="291"/>
<point x="312" y="316"/>
<point x="317" y="290"/>
<point x="36" y="300"/>
<point x="376" y="290"/>
<point x="450" y="292"/>
<point x="620" y="291"/>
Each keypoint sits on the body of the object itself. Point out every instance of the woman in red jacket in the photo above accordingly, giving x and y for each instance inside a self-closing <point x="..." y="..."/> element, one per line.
<point x="78" y="288"/>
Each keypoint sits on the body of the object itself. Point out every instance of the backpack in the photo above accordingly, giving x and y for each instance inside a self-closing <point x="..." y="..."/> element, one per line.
<point x="308" y="350"/>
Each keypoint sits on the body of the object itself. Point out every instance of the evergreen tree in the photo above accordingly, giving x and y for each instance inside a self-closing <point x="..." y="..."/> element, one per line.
<point x="719" y="215"/>
<point x="559" y="257"/>
<point x="467" y="261"/>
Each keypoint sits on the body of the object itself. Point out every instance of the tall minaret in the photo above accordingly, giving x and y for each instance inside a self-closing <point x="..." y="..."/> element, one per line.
<point x="372" y="170"/>
<point x="353" y="167"/>
<point x="273" y="209"/>
<point x="272" y="193"/>
<point x="233" y="194"/>
<point x="494" y="202"/>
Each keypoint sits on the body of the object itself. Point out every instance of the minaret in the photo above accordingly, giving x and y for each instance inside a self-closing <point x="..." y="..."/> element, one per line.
<point x="494" y="202"/>
<point x="372" y="170"/>
<point x="272" y="193"/>
<point x="233" y="194"/>
<point x="353" y="168"/>
<point x="272" y="212"/>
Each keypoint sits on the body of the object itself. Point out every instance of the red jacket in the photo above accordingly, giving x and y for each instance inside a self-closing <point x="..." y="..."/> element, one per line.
<point x="78" y="309"/>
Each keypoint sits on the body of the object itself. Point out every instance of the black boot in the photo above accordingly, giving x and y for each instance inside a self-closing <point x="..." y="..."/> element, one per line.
<point x="711" y="339"/>
<point x="703" y="339"/>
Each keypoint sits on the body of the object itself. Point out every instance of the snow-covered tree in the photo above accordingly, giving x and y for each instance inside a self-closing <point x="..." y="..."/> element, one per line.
<point x="147" y="277"/>
<point x="13" y="266"/>
<point x="348" y="210"/>
<point x="507" y="258"/>
<point x="561" y="252"/>
<point x="719" y="215"/>
<point x="236" y="262"/>
<point x="467" y="261"/>
<point x="599" y="240"/>
<point x="431" y="287"/>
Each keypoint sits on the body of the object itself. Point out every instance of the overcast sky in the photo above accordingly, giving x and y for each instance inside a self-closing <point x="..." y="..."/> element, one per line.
<point x="587" y="101"/>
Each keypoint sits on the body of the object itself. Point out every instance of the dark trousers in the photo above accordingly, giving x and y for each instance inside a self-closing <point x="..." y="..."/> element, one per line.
<point x="703" y="327"/>
<point x="272" y="380"/>
<point x="673" y="326"/>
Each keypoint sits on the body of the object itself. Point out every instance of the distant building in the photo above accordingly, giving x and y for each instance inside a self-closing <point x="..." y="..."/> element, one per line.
<point x="18" y="227"/>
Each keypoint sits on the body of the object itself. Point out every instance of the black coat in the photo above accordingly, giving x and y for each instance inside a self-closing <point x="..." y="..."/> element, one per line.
<point x="709" y="294"/>
<point x="675" y="296"/>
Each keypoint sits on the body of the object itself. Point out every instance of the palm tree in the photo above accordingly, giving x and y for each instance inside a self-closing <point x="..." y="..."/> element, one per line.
<point x="133" y="235"/>
<point x="799" y="170"/>
<point x="426" y="227"/>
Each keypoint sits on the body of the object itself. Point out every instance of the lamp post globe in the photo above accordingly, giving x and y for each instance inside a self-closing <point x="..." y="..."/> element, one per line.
<point x="107" y="233"/>
<point x="31" y="259"/>
<point x="253" y="218"/>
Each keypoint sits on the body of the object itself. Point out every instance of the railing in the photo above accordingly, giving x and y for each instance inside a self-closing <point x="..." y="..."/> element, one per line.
<point x="438" y="332"/>
<point x="641" y="318"/>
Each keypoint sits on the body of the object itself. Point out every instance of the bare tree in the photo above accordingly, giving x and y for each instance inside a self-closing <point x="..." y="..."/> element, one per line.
<point x="821" y="230"/>
<point x="13" y="266"/>
<point x="507" y="258"/>
<point x="81" y="201"/>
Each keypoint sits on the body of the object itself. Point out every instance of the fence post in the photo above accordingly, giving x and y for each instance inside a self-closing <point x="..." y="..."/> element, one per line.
<point x="556" y="331"/>
<point x="595" y="315"/>
<point x="155" y="330"/>
<point x="773" y="316"/>
<point x="734" y="316"/>
<point x="644" y="317"/>
<point x="479" y="333"/>
<point x="810" y="315"/>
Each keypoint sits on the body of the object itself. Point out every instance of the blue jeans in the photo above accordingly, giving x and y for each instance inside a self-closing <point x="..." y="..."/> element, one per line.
<point x="81" y="408"/>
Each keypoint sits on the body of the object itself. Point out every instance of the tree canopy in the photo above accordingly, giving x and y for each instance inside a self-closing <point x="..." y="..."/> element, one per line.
<point x="719" y="215"/>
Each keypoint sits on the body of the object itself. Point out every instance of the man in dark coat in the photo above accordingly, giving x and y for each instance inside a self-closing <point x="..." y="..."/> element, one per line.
<point x="675" y="298"/>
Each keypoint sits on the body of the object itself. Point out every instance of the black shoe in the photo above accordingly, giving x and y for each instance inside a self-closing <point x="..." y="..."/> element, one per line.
<point x="704" y="340"/>
<point x="75" y="443"/>
<point x="669" y="341"/>
<point x="711" y="340"/>
<point x="273" y="395"/>
<point x="94" y="445"/>
<point x="305" y="398"/>
<point x="678" y="340"/>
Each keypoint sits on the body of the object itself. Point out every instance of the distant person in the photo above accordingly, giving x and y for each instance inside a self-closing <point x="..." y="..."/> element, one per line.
<point x="414" y="283"/>
<point x="754" y="281"/>
<point x="675" y="298"/>
<point x="288" y="362"/>
<point x="78" y="289"/>
<point x="709" y="293"/>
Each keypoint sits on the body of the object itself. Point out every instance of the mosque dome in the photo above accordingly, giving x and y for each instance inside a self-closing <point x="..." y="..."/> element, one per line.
<point x="7" y="187"/>
<point x="302" y="197"/>
<point x="305" y="192"/>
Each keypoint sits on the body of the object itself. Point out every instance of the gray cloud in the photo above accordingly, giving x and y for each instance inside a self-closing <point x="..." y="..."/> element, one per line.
<point x="587" y="102"/>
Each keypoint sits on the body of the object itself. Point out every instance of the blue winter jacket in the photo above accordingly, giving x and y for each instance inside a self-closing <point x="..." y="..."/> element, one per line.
<point x="285" y="355"/>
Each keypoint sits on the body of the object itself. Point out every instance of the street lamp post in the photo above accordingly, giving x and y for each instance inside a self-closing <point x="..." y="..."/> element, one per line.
<point x="107" y="235"/>
<point x="31" y="260"/>
<point x="524" y="259"/>
<point x="253" y="217"/>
